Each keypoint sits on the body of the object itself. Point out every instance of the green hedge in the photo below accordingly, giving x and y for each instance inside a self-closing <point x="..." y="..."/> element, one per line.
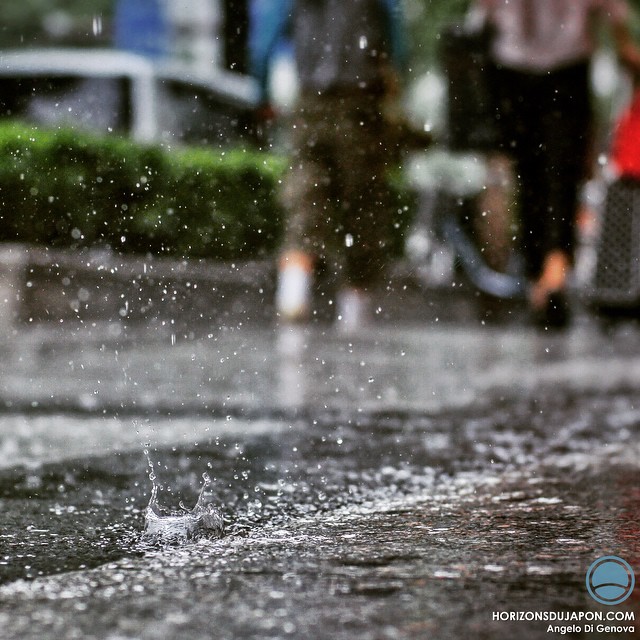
<point x="66" y="189"/>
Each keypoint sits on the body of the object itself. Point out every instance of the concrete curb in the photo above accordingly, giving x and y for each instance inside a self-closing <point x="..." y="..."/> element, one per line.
<point x="13" y="269"/>
<point x="43" y="285"/>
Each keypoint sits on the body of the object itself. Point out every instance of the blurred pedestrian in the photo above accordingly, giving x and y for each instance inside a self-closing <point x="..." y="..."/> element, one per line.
<point x="142" y="26"/>
<point x="349" y="56"/>
<point x="541" y="50"/>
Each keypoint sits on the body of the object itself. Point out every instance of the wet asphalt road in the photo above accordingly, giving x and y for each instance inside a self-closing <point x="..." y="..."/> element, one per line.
<point x="414" y="481"/>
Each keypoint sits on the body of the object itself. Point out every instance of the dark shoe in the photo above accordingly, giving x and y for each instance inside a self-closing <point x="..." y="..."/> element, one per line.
<point x="556" y="313"/>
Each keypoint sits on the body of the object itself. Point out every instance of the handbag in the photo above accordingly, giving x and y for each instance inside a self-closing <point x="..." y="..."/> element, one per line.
<point x="466" y="60"/>
<point x="616" y="279"/>
<point x="615" y="284"/>
<point x="625" y="145"/>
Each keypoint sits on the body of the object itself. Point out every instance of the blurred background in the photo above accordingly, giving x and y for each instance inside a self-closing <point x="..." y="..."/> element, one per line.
<point x="201" y="38"/>
<point x="176" y="73"/>
<point x="195" y="30"/>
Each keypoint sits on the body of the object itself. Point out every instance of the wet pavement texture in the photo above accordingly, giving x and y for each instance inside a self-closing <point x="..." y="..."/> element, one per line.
<point x="407" y="482"/>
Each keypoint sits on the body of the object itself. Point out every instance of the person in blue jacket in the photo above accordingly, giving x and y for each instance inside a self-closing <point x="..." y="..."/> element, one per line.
<point x="142" y="26"/>
<point x="349" y="58"/>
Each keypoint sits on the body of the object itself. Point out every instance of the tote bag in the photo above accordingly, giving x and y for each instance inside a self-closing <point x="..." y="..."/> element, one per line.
<point x="470" y="105"/>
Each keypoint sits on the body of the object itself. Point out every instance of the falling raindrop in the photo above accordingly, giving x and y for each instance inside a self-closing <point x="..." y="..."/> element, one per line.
<point x="97" y="25"/>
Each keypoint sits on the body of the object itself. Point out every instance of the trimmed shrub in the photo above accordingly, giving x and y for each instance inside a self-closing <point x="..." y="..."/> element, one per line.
<point x="68" y="189"/>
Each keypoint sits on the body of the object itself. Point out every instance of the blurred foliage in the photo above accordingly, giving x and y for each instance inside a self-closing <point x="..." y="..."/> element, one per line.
<point x="635" y="19"/>
<point x="43" y="22"/>
<point x="68" y="189"/>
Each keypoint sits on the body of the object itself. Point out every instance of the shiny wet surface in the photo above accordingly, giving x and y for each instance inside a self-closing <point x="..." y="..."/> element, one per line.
<point x="404" y="483"/>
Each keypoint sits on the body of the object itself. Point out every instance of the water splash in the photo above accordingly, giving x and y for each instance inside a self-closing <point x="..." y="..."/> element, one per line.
<point x="203" y="521"/>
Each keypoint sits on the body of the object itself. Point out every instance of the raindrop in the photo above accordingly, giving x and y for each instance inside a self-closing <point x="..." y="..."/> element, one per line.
<point x="97" y="25"/>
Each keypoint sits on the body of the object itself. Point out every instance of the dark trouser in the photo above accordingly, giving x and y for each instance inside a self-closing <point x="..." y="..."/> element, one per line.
<point x="336" y="191"/>
<point x="546" y="126"/>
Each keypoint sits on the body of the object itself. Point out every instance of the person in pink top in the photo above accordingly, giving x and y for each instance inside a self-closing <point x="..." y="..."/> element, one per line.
<point x="541" y="51"/>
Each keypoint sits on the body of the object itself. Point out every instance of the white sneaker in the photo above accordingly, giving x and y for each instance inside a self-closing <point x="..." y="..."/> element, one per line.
<point x="293" y="294"/>
<point x="354" y="310"/>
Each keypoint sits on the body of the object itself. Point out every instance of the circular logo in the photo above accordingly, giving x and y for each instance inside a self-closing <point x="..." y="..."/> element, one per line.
<point x="610" y="580"/>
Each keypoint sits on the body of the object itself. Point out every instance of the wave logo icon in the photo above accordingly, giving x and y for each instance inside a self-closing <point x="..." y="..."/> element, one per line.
<point x="610" y="580"/>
